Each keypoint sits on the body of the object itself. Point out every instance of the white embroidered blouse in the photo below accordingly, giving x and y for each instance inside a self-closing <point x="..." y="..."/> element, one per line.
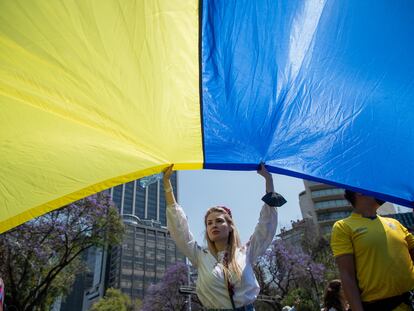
<point x="211" y="286"/>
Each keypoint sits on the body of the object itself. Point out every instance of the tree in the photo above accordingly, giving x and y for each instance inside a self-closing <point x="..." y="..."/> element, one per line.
<point x="267" y="290"/>
<point x="114" y="300"/>
<point x="39" y="259"/>
<point x="165" y="294"/>
<point x="284" y="267"/>
<point x="320" y="251"/>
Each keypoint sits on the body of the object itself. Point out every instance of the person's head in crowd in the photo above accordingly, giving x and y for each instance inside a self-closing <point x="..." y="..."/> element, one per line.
<point x="334" y="296"/>
<point x="359" y="200"/>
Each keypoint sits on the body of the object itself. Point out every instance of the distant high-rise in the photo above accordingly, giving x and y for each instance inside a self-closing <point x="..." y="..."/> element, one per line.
<point x="146" y="250"/>
<point x="325" y="204"/>
<point x="294" y="235"/>
<point x="145" y="203"/>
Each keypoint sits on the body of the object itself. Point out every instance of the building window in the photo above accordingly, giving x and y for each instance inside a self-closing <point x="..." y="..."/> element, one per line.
<point x="128" y="197"/>
<point x="333" y="216"/>
<point x="174" y="183"/>
<point x="163" y="205"/>
<point x="327" y="192"/>
<point x="140" y="201"/>
<point x="152" y="201"/>
<point x="332" y="203"/>
<point x="117" y="196"/>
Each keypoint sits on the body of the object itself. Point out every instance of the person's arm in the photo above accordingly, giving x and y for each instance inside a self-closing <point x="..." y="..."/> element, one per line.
<point x="262" y="171"/>
<point x="169" y="193"/>
<point x="346" y="266"/>
<point x="266" y="227"/>
<point x="177" y="222"/>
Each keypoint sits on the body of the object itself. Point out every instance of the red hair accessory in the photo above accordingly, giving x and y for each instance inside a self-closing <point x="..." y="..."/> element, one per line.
<point x="227" y="210"/>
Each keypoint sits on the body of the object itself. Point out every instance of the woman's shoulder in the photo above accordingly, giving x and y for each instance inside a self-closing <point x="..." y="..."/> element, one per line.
<point x="204" y="252"/>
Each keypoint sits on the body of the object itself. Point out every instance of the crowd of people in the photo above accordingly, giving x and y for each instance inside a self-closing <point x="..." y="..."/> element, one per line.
<point x="374" y="255"/>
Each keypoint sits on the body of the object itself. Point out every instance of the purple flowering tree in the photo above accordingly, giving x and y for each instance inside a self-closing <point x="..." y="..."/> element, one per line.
<point x="39" y="259"/>
<point x="320" y="251"/>
<point x="165" y="294"/>
<point x="284" y="267"/>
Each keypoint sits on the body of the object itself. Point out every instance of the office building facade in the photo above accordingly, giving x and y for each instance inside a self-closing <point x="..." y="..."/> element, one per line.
<point x="294" y="235"/>
<point x="144" y="254"/>
<point x="147" y="248"/>
<point x="145" y="203"/>
<point x="325" y="204"/>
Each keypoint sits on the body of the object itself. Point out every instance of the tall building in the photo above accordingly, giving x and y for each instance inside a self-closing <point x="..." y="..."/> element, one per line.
<point x="88" y="286"/>
<point x="95" y="280"/>
<point x="144" y="203"/>
<point x="294" y="235"/>
<point x="146" y="250"/>
<point x="325" y="204"/>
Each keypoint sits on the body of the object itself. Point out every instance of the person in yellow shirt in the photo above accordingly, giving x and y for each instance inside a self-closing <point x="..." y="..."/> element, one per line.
<point x="375" y="256"/>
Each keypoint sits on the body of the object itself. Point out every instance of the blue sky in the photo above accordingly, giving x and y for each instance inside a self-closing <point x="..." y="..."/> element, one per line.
<point x="240" y="191"/>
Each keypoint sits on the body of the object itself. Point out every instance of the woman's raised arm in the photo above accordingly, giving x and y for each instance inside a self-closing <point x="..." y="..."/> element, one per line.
<point x="266" y="227"/>
<point x="177" y="222"/>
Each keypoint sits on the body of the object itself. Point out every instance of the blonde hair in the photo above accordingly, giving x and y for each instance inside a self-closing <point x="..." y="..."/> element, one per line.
<point x="233" y="243"/>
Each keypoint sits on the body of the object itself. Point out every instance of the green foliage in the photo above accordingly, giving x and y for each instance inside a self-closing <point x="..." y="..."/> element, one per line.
<point x="114" y="300"/>
<point x="297" y="273"/>
<point x="284" y="267"/>
<point x="40" y="259"/>
<point x="302" y="299"/>
<point x="320" y="251"/>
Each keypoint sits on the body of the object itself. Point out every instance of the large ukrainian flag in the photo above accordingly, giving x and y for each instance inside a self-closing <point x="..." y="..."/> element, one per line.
<point x="98" y="93"/>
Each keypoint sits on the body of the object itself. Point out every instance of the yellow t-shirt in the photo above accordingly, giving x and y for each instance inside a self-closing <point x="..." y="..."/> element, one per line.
<point x="381" y="250"/>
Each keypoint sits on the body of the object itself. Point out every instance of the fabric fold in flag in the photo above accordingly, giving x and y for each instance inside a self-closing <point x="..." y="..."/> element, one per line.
<point x="95" y="94"/>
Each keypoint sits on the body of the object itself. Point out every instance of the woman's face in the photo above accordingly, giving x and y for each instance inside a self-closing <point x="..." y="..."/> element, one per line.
<point x="218" y="229"/>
